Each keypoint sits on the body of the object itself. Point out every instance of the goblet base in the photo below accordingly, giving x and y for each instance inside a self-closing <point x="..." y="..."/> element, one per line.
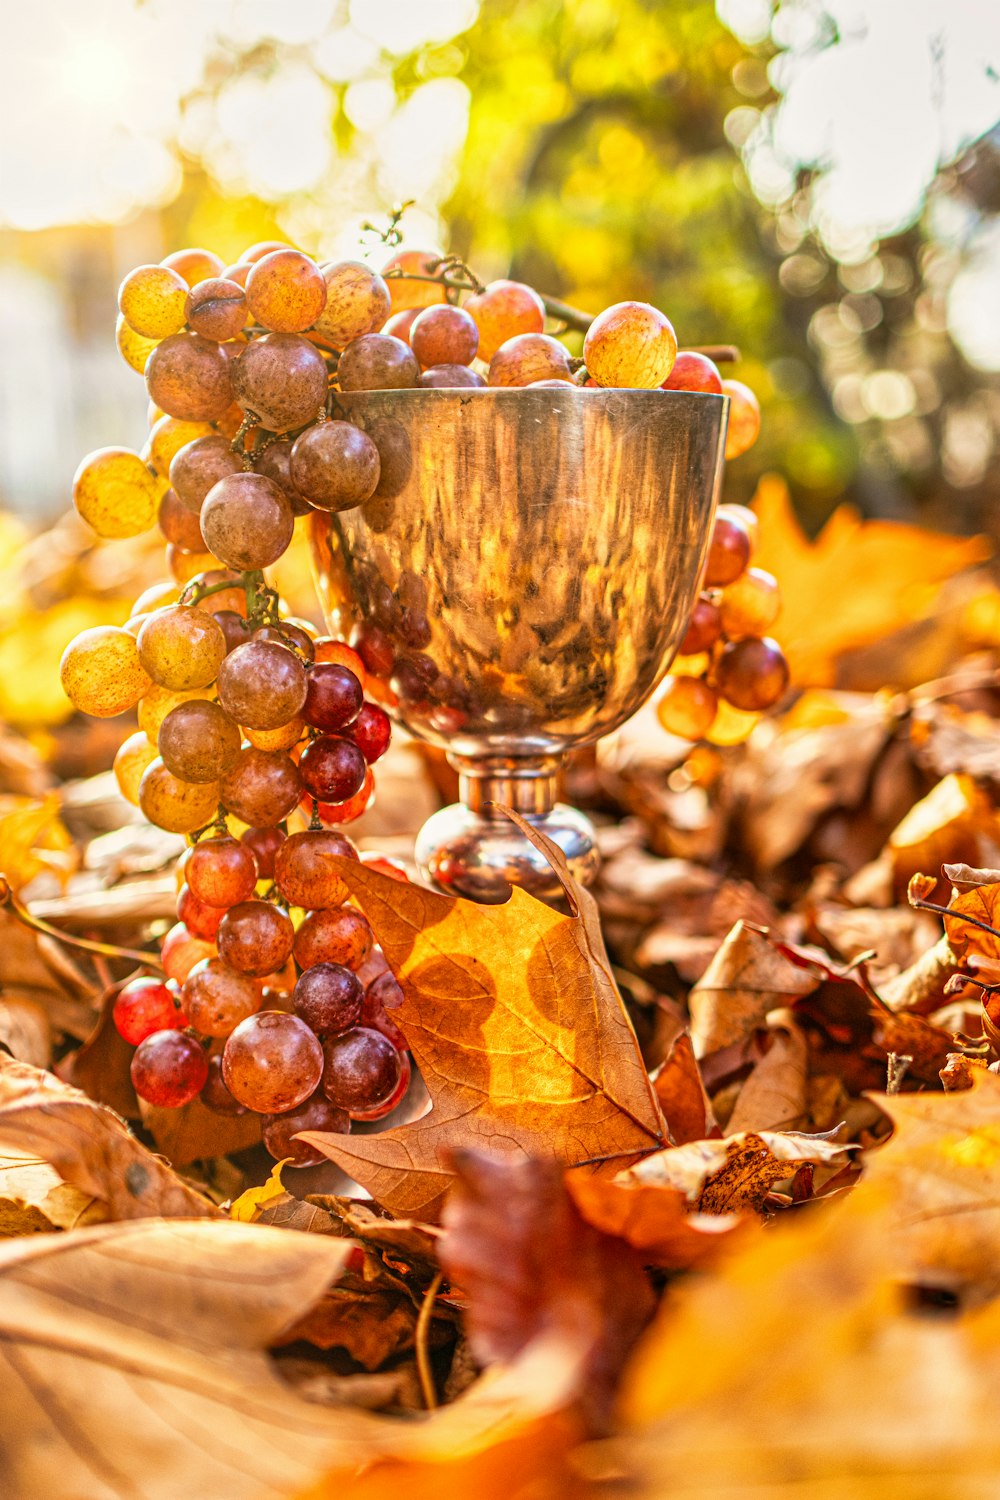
<point x="470" y="849"/>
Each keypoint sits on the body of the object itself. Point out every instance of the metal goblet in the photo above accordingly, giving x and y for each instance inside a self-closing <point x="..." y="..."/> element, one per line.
<point x="523" y="575"/>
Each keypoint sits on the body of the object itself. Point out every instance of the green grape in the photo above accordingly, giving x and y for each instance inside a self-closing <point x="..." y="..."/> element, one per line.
<point x="181" y="647"/>
<point x="175" y="805"/>
<point x="115" y="493"/>
<point x="101" y="673"/>
<point x="151" y="300"/>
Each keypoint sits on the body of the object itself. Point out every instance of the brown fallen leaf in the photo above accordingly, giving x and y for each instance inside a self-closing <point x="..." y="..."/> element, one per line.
<point x="401" y="1239"/>
<point x="370" y="1324"/>
<point x="681" y="1092"/>
<point x="775" y="1096"/>
<point x="529" y="1265"/>
<point x="736" y="1174"/>
<point x="746" y="979"/>
<point x="90" y="1147"/>
<point x="656" y="1221"/>
<point x="25" y="1030"/>
<point x="941" y="1174"/>
<point x="519" y="1031"/>
<point x="956" y="821"/>
<point x="34" y="1199"/>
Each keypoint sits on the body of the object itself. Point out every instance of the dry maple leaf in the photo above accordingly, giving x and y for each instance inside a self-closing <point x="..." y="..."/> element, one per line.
<point x="528" y="1264"/>
<point x="519" y="1032"/>
<point x="681" y="1091"/>
<point x="889" y="565"/>
<point x="746" y="979"/>
<point x="90" y="1147"/>
<point x="735" y="1174"/>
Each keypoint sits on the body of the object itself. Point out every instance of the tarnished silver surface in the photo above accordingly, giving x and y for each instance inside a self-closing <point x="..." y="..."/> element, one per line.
<point x="530" y="561"/>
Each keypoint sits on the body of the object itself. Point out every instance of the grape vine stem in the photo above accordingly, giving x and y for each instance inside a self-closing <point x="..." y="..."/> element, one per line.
<point x="421" y="1341"/>
<point x="89" y="945"/>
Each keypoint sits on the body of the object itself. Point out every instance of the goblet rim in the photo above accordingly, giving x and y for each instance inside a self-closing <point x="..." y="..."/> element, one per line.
<point x="481" y="392"/>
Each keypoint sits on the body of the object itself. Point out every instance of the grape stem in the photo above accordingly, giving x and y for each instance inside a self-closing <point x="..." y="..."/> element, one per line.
<point x="573" y="317"/>
<point x="421" y="1339"/>
<point x="89" y="945"/>
<point x="193" y="593"/>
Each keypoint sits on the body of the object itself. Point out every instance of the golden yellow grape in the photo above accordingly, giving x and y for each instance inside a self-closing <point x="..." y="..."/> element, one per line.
<point x="744" y="417"/>
<point x="630" y="345"/>
<point x="155" y="597"/>
<point x="169" y="436"/>
<point x="133" y="347"/>
<point x="151" y="300"/>
<point x="131" y="761"/>
<point x="181" y="647"/>
<point x="101" y="673"/>
<point x="687" y="708"/>
<point x="193" y="265"/>
<point x="178" y="806"/>
<point x="115" y="493"/>
<point x="187" y="565"/>
<point x="731" y="726"/>
<point x="277" y="739"/>
<point x="156" y="703"/>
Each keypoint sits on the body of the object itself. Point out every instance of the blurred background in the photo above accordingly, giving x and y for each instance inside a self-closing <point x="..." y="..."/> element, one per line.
<point x="815" y="180"/>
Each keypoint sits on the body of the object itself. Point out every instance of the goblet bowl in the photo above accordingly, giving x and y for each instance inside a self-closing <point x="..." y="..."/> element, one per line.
<point x="522" y="577"/>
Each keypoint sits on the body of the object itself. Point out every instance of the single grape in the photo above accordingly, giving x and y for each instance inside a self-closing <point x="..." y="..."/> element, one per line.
<point x="262" y="788"/>
<point x="630" y="344"/>
<point x="383" y="993"/>
<point x="198" y="741"/>
<point x="133" y="347"/>
<point x="178" y="524"/>
<point x="400" y="323"/>
<point x="181" y="950"/>
<point x="214" y="1094"/>
<point x="115" y="493"/>
<point x="221" y="871"/>
<point x="101" y="672"/>
<point x="301" y="635"/>
<point x="183" y="566"/>
<point x="143" y="1006"/>
<point x="328" y="998"/>
<point x="282" y="379"/>
<point x="357" y="302"/>
<point x="216" y="999"/>
<point x="752" y="674"/>
<point x="731" y="726"/>
<point x="256" y="938"/>
<point x="334" y="465"/>
<point x="332" y="769"/>
<point x="131" y="759"/>
<point x="341" y="935"/>
<point x="272" y="1062"/>
<point x="199" y="919"/>
<point x="333" y="696"/>
<point x="527" y="357"/>
<point x="275" y="463"/>
<point x="361" y="1069"/>
<point x="746" y="517"/>
<point x="156" y="703"/>
<point x="444" y="335"/>
<point x="216" y="308"/>
<point x="329" y="650"/>
<point x="306" y="871"/>
<point x="548" y="385"/>
<point x="406" y="294"/>
<point x="169" y="436"/>
<point x="193" y="265"/>
<point x="260" y="248"/>
<point x="450" y="377"/>
<point x="181" y="647"/>
<point x="371" y="731"/>
<point x="234" y="628"/>
<point x="704" y="628"/>
<point x="239" y="270"/>
<point x="188" y="376"/>
<point x="750" y="605"/>
<point x="169" y="1069"/>
<point x="285" y="737"/>
<point x="728" y="552"/>
<point x="687" y="707"/>
<point x="175" y="805"/>
<point x="198" y="466"/>
<point x="378" y="362"/>
<point x="316" y="1113"/>
<point x="503" y="310"/>
<point x="694" y="372"/>
<point x="262" y="685"/>
<point x="285" y="291"/>
<point x="374" y="648"/>
<point x="351" y="807"/>
<point x="151" y="300"/>
<point x="744" y="418"/>
<point x="397" y="1096"/>
<point x="246" y="521"/>
<point x="264" y="844"/>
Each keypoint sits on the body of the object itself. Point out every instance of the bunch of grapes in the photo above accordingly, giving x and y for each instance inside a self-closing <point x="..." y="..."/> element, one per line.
<point x="255" y="736"/>
<point x="729" y="669"/>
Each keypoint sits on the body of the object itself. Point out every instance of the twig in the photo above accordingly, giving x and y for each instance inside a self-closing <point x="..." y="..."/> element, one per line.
<point x="895" y="1071"/>
<point x="421" y="1338"/>
<point x="107" y="950"/>
<point x="920" y="904"/>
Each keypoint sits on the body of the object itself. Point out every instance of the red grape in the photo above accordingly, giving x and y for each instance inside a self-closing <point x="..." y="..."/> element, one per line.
<point x="752" y="674"/>
<point x="333" y="696"/>
<point x="272" y="1062"/>
<point x="221" y="871"/>
<point x="197" y="916"/>
<point x="169" y="1069"/>
<point x="704" y="628"/>
<point x="264" y="844"/>
<point x="332" y="769"/>
<point x="305" y="868"/>
<point x="328" y="998"/>
<point x="316" y="1113"/>
<point x="395" y="1098"/>
<point x="143" y="1006"/>
<point x="214" y="1094"/>
<point x="728" y="552"/>
<point x="693" y="372"/>
<point x="217" y="999"/>
<point x="361" y="1069"/>
<point x="181" y="950"/>
<point x="371" y="731"/>
<point x="341" y="935"/>
<point x="255" y="938"/>
<point x="444" y="335"/>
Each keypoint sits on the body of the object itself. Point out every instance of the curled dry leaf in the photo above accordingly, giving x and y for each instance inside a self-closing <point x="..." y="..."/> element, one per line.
<point x="747" y="978"/>
<point x="519" y="1032"/>
<point x="34" y="1199"/>
<point x="400" y="1239"/>
<point x="529" y="1266"/>
<point x="681" y="1091"/>
<point x="736" y="1174"/>
<point x="90" y="1147"/>
<point x="657" y="1221"/>
<point x="775" y="1096"/>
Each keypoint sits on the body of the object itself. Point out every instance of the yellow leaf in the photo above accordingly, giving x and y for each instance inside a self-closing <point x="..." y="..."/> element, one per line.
<point x="244" y="1209"/>
<point x="31" y="647"/>
<point x="854" y="584"/>
<point x="33" y="838"/>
